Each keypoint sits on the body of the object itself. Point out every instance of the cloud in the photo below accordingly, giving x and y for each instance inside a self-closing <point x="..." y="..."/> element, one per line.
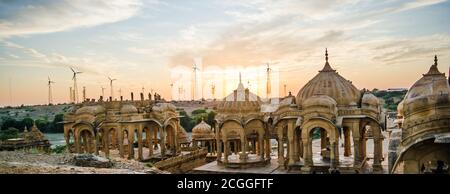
<point x="417" y="4"/>
<point x="21" y="18"/>
<point x="295" y="33"/>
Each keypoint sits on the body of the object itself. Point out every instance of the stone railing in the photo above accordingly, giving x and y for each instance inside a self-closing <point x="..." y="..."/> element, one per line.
<point x="177" y="161"/>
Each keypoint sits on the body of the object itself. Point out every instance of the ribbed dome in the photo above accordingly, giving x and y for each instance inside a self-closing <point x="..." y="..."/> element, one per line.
<point x="329" y="82"/>
<point x="319" y="100"/>
<point x="241" y="100"/>
<point x="202" y="131"/>
<point x="128" y="109"/>
<point x="369" y="99"/>
<point x="431" y="89"/>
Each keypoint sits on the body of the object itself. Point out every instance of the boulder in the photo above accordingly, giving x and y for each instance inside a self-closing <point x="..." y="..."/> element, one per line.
<point x="90" y="160"/>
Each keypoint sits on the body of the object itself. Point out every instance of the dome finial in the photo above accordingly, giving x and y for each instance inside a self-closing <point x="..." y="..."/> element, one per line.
<point x="435" y="60"/>
<point x="326" y="55"/>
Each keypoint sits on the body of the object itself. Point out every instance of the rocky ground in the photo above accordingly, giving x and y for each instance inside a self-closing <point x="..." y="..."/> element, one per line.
<point x="19" y="162"/>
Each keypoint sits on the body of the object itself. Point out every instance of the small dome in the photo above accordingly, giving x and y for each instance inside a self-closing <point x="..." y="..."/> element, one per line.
<point x="430" y="90"/>
<point x="128" y="109"/>
<point x="319" y="100"/>
<point x="370" y="99"/>
<point x="93" y="110"/>
<point x="330" y="83"/>
<point x="202" y="131"/>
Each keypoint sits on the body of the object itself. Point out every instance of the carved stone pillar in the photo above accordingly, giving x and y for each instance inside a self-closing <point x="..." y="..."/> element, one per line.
<point x="140" y="144"/>
<point x="227" y="151"/>
<point x="162" y="135"/>
<point x="105" y="138"/>
<point x="150" y="140"/>
<point x="121" y="149"/>
<point x="357" y="155"/>
<point x="130" y="144"/>
<point x="268" y="147"/>
<point x="291" y="143"/>
<point x="347" y="144"/>
<point x="377" y="156"/>
<point x="280" y="149"/>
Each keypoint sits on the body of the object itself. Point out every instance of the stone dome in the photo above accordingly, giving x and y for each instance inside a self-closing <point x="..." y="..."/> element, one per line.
<point x="162" y="107"/>
<point x="128" y="109"/>
<point x="430" y="90"/>
<point x="202" y="131"/>
<point x="329" y="82"/>
<point x="93" y="110"/>
<point x="319" y="100"/>
<point x="369" y="99"/>
<point x="241" y="100"/>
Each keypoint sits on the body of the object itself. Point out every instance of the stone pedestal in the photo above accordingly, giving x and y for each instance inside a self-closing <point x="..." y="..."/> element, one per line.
<point x="243" y="156"/>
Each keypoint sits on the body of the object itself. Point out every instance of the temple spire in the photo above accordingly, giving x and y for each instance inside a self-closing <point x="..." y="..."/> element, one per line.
<point x="327" y="66"/>
<point x="435" y="60"/>
<point x="433" y="69"/>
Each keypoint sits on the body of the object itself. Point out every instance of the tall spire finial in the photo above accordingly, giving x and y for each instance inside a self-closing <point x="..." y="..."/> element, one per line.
<point x="326" y="55"/>
<point x="240" y="79"/>
<point x="435" y="60"/>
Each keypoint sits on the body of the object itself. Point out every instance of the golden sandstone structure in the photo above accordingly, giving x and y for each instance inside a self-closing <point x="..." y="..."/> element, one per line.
<point x="101" y="126"/>
<point x="329" y="108"/>
<point x="420" y="144"/>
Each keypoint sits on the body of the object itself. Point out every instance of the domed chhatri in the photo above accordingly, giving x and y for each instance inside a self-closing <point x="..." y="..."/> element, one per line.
<point x="330" y="83"/>
<point x="202" y="131"/>
<point x="240" y="129"/>
<point x="424" y="120"/>
<point x="104" y="126"/>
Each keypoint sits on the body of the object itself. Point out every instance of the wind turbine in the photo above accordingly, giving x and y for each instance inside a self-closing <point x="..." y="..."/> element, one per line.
<point x="111" y="85"/>
<point x="120" y="92"/>
<point x="75" y="84"/>
<point x="50" y="97"/>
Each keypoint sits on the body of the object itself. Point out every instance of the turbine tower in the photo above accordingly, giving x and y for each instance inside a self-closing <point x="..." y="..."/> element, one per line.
<point x="213" y="91"/>
<point x="194" y="86"/>
<point x="111" y="85"/>
<point x="50" y="97"/>
<point x="84" y="93"/>
<point x="75" y="84"/>
<point x="268" y="88"/>
<point x="103" y="91"/>
<point x="120" y="92"/>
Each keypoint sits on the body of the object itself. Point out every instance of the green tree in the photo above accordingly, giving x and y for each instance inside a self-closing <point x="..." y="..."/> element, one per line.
<point x="28" y="122"/>
<point x="9" y="133"/>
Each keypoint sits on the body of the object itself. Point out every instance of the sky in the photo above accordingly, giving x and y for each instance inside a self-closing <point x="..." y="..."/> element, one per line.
<point x="153" y="44"/>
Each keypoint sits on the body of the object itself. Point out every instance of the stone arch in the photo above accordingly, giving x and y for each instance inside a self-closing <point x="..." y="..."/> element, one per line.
<point x="416" y="154"/>
<point x="86" y="141"/>
<point x="231" y="125"/>
<point x="331" y="130"/>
